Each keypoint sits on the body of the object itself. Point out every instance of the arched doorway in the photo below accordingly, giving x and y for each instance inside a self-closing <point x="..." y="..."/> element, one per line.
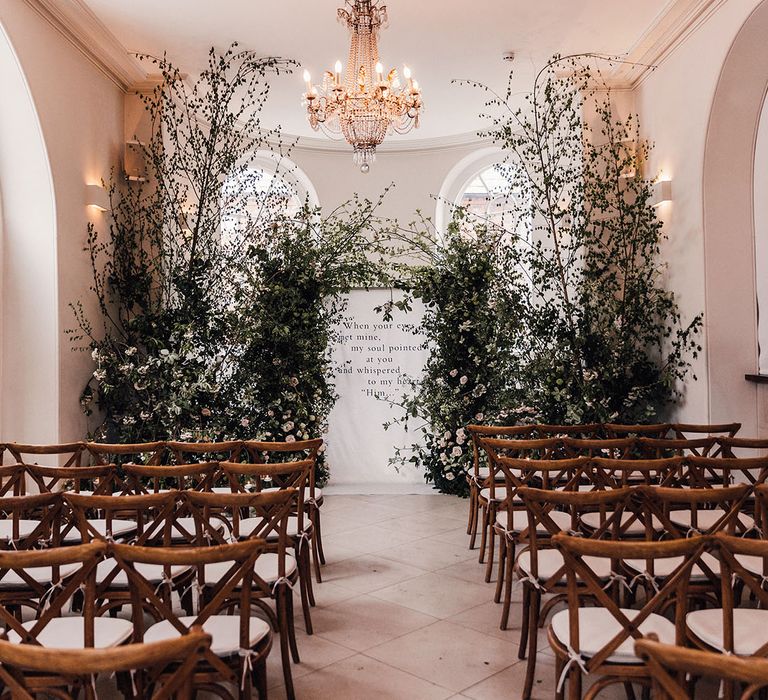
<point x="29" y="325"/>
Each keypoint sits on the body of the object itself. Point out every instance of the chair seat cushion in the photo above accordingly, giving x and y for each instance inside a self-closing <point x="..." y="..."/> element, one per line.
<point x="224" y="629"/>
<point x="40" y="574"/>
<point x="188" y="524"/>
<point x="663" y="567"/>
<point x="266" y="568"/>
<point x="69" y="633"/>
<point x="750" y="628"/>
<point x="592" y="521"/>
<point x="706" y="519"/>
<point x="550" y="561"/>
<point x="119" y="528"/>
<point x="499" y="491"/>
<point x="153" y="573"/>
<point x="520" y="521"/>
<point x="597" y="627"/>
<point x="26" y="527"/>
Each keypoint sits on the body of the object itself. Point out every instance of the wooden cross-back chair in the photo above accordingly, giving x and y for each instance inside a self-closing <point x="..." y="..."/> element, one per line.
<point x="670" y="666"/>
<point x="586" y="431"/>
<point x="197" y="476"/>
<point x="25" y="669"/>
<point x="685" y="431"/>
<point x="541" y="567"/>
<point x="62" y="579"/>
<point x="711" y="472"/>
<point x="652" y="430"/>
<point x="611" y="448"/>
<point x="96" y="480"/>
<point x="600" y="640"/>
<point x="658" y="448"/>
<point x="240" y="642"/>
<point x="188" y="452"/>
<point x="481" y="475"/>
<point x="496" y="496"/>
<point x="757" y="447"/>
<point x="511" y="524"/>
<point x="29" y="522"/>
<point x="70" y="453"/>
<point x="124" y="453"/>
<point x="282" y="476"/>
<point x="737" y="628"/>
<point x="262" y="452"/>
<point x="266" y="517"/>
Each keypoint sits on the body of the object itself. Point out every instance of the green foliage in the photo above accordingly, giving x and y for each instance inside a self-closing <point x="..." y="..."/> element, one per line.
<point x="217" y="299"/>
<point x="584" y="329"/>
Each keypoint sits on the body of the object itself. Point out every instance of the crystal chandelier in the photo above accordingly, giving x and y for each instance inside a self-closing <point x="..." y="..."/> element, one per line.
<point x="367" y="104"/>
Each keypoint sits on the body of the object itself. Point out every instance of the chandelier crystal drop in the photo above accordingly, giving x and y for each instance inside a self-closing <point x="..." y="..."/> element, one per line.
<point x="365" y="104"/>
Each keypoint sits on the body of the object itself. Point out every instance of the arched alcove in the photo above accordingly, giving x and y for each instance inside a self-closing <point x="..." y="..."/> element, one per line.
<point x="29" y="338"/>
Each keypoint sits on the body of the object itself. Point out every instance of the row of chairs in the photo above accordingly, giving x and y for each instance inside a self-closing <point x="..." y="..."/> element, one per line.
<point x="171" y="505"/>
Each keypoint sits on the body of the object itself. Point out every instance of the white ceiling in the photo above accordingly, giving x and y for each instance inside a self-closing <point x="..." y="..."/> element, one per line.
<point x="440" y="40"/>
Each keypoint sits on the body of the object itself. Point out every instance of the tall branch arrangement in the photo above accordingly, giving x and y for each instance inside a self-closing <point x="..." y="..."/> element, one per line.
<point x="591" y="333"/>
<point x="217" y="295"/>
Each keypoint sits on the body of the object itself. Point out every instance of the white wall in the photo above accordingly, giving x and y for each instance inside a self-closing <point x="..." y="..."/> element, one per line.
<point x="674" y="104"/>
<point x="81" y="117"/>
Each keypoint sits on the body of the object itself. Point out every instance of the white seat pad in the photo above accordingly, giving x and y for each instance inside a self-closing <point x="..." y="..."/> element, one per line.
<point x="592" y="520"/>
<point x="751" y="563"/>
<point x="499" y="491"/>
<point x="550" y="561"/>
<point x="153" y="573"/>
<point x="188" y="524"/>
<point x="705" y="519"/>
<point x="520" y="520"/>
<point x="597" y="627"/>
<point x="40" y="574"/>
<point x="69" y="632"/>
<point x="666" y="566"/>
<point x="225" y="630"/>
<point x="119" y="529"/>
<point x="750" y="628"/>
<point x="248" y="524"/>
<point x="26" y="527"/>
<point x="266" y="568"/>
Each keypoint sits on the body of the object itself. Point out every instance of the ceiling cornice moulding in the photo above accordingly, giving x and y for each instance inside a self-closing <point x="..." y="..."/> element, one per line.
<point x="88" y="34"/>
<point x="672" y="28"/>
<point x="438" y="143"/>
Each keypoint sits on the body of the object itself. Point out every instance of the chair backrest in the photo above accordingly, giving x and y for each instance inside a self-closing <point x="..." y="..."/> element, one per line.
<point x="100" y="479"/>
<point x="586" y="431"/>
<point x="73" y="569"/>
<point x="670" y="666"/>
<point x="612" y="448"/>
<point x="160" y="670"/>
<point x="70" y="452"/>
<point x="153" y="515"/>
<point x="26" y="522"/>
<point x="657" y="448"/>
<point x="754" y="445"/>
<point x="198" y="476"/>
<point x="262" y="452"/>
<point x="493" y="431"/>
<point x="708" y="471"/>
<point x="580" y="554"/>
<point x="655" y="430"/>
<point x="188" y="452"/>
<point x="685" y="431"/>
<point x="722" y="506"/>
<point x="612" y="473"/>
<point x="119" y="453"/>
<point x="12" y="480"/>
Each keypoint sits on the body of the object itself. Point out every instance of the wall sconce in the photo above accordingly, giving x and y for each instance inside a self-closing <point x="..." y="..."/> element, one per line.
<point x="661" y="192"/>
<point x="97" y="197"/>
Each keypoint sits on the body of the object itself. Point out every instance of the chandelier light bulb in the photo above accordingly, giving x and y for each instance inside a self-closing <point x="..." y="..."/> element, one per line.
<point x="308" y="81"/>
<point x="406" y="72"/>
<point x="379" y="72"/>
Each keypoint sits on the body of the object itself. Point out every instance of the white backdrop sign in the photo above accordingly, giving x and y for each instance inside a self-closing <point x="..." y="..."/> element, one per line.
<point x="374" y="357"/>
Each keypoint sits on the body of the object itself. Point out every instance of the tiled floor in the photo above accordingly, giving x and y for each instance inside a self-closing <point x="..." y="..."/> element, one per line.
<point x="403" y="612"/>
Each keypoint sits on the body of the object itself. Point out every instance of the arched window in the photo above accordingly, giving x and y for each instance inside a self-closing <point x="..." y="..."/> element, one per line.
<point x="272" y="186"/>
<point x="761" y="236"/>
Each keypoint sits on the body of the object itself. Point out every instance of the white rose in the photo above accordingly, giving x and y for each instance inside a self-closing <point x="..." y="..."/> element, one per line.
<point x="453" y="372"/>
<point x="456" y="452"/>
<point x="290" y="438"/>
<point x="293" y="381"/>
<point x="450" y="476"/>
<point x="100" y="375"/>
<point x="460" y="440"/>
<point x="287" y="427"/>
<point x="461" y="433"/>
<point x="463" y="379"/>
<point x="130" y="351"/>
<point x="443" y="458"/>
<point x="95" y="354"/>
<point x="479" y="416"/>
<point x="447" y="435"/>
<point x="245" y="422"/>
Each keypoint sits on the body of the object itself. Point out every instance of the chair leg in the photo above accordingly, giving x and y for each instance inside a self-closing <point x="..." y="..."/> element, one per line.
<point x="281" y="603"/>
<point x="508" y="582"/>
<point x="304" y="580"/>
<point x="319" y="535"/>
<point x="475" y="518"/>
<point x="491" y="552"/>
<point x="308" y="569"/>
<point x="316" y="556"/>
<point x="483" y="534"/>
<point x="500" y="574"/>
<point x="533" y="641"/>
<point x="470" y="517"/>
<point x="292" y="627"/>
<point x="521" y="650"/>
<point x="260" y="682"/>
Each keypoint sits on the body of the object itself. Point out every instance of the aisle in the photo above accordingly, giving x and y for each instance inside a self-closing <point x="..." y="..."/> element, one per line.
<point x="403" y="612"/>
